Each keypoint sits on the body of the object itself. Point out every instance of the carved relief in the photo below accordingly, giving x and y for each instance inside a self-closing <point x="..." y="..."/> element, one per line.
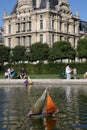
<point x="62" y="6"/>
<point x="24" y="5"/>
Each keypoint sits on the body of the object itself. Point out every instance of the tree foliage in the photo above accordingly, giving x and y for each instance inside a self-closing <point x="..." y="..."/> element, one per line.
<point x="61" y="50"/>
<point x="4" y="54"/>
<point x="39" y="51"/>
<point x="82" y="48"/>
<point x="19" y="53"/>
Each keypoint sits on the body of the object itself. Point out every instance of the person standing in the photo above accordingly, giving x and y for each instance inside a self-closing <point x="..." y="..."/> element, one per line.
<point x="85" y="75"/>
<point x="9" y="73"/>
<point x="74" y="73"/>
<point x="68" y="72"/>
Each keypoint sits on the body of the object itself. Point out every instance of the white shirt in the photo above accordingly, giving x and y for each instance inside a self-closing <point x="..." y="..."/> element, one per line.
<point x="68" y="70"/>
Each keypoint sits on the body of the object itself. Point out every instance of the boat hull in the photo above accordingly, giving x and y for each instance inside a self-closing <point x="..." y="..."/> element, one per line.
<point x="43" y="116"/>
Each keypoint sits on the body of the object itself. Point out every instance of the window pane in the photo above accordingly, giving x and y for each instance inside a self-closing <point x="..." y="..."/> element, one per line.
<point x="9" y="28"/>
<point x="29" y="40"/>
<point x="29" y="26"/>
<point x="41" y="24"/>
<point x="9" y="42"/>
<point x="52" y="24"/>
<point x="24" y="40"/>
<point x="41" y="38"/>
<point x="18" y="27"/>
<point x="19" y="41"/>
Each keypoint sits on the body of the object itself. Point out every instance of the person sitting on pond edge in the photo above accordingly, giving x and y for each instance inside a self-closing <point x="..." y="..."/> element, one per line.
<point x="23" y="73"/>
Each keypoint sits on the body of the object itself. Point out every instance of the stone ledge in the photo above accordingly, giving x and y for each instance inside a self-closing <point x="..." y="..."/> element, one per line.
<point x="44" y="82"/>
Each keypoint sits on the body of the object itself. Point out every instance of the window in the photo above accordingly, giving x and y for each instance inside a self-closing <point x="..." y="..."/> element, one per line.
<point x="29" y="17"/>
<point x="68" y="39"/>
<point x="41" y="24"/>
<point x="24" y="27"/>
<point x="60" y="26"/>
<point x="18" y="41"/>
<point x="29" y="40"/>
<point x="61" y="38"/>
<point x="41" y="38"/>
<point x="29" y="25"/>
<point x="67" y="28"/>
<point x="9" y="42"/>
<point x="74" y="44"/>
<point x="52" y="24"/>
<point x="74" y="28"/>
<point x="9" y="28"/>
<point x="52" y="38"/>
<point x="18" y="27"/>
<point x="24" y="40"/>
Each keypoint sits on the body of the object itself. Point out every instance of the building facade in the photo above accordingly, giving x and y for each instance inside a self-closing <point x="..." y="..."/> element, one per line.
<point x="1" y="35"/>
<point x="45" y="21"/>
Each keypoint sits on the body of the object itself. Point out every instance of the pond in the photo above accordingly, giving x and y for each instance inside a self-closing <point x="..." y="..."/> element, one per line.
<point x="15" y="103"/>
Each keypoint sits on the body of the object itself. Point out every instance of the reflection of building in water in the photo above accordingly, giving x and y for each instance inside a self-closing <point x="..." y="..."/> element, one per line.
<point x="7" y="116"/>
<point x="68" y="98"/>
<point x="76" y="104"/>
<point x="72" y="103"/>
<point x="37" y="124"/>
<point x="48" y="123"/>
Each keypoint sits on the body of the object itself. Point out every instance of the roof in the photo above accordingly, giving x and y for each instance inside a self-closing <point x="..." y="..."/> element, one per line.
<point x="53" y="3"/>
<point x="43" y="5"/>
<point x="83" y="26"/>
<point x="14" y="9"/>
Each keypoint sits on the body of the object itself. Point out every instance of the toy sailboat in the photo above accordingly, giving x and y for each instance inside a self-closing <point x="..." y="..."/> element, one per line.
<point x="28" y="82"/>
<point x="44" y="101"/>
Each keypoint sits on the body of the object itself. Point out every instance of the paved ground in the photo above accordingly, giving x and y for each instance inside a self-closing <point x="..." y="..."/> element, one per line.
<point x="44" y="82"/>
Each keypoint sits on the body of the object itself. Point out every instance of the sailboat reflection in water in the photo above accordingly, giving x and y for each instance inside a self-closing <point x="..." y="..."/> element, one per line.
<point x="48" y="123"/>
<point x="51" y="123"/>
<point x="50" y="107"/>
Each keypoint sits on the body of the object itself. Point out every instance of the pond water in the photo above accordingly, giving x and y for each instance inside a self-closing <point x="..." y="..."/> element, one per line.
<point x="15" y="103"/>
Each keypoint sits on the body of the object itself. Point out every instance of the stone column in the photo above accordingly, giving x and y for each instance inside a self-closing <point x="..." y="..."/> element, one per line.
<point x="71" y="41"/>
<point x="48" y="22"/>
<point x="48" y="39"/>
<point x="77" y="27"/>
<point x="62" y="28"/>
<point x="58" y="26"/>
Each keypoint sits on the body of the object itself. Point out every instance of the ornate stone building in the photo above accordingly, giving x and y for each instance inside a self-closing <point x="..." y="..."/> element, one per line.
<point x="1" y="36"/>
<point x="47" y="21"/>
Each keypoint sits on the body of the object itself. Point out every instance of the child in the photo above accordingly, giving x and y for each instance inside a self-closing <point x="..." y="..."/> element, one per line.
<point x="74" y="73"/>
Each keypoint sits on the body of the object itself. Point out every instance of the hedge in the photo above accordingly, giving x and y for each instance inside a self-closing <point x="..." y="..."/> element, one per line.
<point x="50" y="68"/>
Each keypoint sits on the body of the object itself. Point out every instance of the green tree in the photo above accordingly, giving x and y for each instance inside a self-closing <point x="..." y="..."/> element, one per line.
<point x="4" y="54"/>
<point x="39" y="52"/>
<point x="62" y="50"/>
<point x="19" y="54"/>
<point x="82" y="48"/>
